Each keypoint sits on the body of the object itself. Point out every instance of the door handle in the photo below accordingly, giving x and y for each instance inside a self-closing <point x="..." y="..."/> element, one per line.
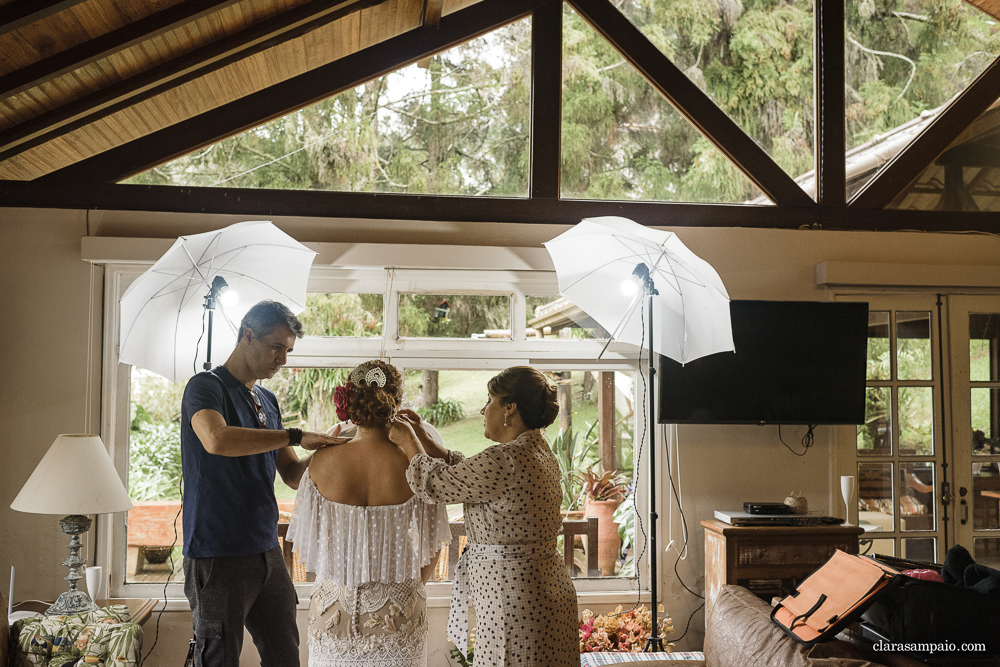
<point x="965" y="511"/>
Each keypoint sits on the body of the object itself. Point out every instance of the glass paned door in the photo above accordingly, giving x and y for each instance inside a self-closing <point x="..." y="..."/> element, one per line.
<point x="896" y="455"/>
<point x="975" y="330"/>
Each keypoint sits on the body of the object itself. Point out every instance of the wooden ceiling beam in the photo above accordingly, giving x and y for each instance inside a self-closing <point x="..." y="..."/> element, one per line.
<point x="58" y="122"/>
<point x="291" y="95"/>
<point x="431" y="17"/>
<point x="388" y="206"/>
<point x="692" y="103"/>
<point x="19" y="13"/>
<point x="910" y="162"/>
<point x="545" y="161"/>
<point x="830" y="135"/>
<point x="91" y="51"/>
<point x="991" y="7"/>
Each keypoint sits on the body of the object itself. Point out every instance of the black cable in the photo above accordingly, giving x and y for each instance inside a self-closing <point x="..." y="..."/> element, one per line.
<point x="194" y="364"/>
<point x="688" y="624"/>
<point x="170" y="561"/>
<point x="807" y="440"/>
<point x="637" y="470"/>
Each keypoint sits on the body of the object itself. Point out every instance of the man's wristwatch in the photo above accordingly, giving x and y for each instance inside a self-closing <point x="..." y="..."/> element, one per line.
<point x="294" y="436"/>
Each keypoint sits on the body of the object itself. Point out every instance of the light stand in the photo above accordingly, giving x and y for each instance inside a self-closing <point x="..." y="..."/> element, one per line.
<point x="654" y="642"/>
<point x="211" y="301"/>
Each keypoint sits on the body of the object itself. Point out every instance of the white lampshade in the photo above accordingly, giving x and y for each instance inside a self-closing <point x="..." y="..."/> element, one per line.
<point x="75" y="476"/>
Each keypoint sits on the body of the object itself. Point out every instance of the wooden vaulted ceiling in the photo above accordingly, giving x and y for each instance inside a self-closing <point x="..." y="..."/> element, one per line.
<point x="93" y="91"/>
<point x="80" y="78"/>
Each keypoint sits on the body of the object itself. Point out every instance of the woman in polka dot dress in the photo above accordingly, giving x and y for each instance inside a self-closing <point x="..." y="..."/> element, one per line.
<point x="524" y="600"/>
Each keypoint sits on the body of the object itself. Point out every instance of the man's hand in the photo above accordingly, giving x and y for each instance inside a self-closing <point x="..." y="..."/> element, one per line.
<point x="314" y="441"/>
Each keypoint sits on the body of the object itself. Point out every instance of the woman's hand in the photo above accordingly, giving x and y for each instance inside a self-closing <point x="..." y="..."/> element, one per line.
<point x="403" y="435"/>
<point x="429" y="437"/>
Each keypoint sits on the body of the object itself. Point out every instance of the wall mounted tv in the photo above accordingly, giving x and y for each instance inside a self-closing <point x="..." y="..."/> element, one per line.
<point x="796" y="362"/>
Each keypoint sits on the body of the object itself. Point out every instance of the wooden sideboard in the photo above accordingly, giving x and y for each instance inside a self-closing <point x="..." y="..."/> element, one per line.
<point x="767" y="560"/>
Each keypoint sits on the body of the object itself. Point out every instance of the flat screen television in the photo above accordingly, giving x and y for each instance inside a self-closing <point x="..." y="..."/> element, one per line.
<point x="796" y="362"/>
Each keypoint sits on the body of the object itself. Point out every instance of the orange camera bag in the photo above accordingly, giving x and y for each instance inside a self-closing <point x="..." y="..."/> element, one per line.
<point x="832" y="597"/>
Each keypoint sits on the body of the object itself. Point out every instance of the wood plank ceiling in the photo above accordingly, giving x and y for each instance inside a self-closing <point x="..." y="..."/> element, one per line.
<point x="92" y="91"/>
<point x="99" y="74"/>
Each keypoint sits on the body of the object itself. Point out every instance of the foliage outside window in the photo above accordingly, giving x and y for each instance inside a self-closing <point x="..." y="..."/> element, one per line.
<point x="458" y="126"/>
<point x="454" y="316"/>
<point x="755" y="61"/>
<point x="339" y="314"/>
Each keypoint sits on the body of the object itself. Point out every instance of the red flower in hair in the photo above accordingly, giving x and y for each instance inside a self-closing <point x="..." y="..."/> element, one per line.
<point x="340" y="396"/>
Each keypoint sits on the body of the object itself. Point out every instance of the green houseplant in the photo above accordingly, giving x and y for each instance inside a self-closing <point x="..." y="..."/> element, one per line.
<point x="604" y="491"/>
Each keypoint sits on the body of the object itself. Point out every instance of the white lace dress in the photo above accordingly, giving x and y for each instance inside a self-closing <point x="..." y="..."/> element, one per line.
<point x="368" y="606"/>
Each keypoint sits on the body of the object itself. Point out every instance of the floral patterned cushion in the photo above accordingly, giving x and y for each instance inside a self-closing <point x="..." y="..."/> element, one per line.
<point x="105" y="636"/>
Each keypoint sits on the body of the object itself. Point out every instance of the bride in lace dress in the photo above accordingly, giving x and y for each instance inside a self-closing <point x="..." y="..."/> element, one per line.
<point x="370" y="541"/>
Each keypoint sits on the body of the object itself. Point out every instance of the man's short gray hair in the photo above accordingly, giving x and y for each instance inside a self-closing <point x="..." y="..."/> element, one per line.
<point x="267" y="316"/>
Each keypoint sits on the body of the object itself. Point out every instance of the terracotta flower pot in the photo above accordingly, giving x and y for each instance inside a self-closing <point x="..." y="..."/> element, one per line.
<point x="608" y="542"/>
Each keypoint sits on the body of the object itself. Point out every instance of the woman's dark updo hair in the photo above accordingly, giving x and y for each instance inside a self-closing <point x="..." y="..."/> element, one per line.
<point x="528" y="387"/>
<point x="371" y="406"/>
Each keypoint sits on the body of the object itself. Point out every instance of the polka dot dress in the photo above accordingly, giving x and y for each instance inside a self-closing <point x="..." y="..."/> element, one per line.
<point x="525" y="607"/>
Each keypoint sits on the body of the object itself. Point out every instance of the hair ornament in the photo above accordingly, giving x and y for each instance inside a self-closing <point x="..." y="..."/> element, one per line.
<point x="373" y="376"/>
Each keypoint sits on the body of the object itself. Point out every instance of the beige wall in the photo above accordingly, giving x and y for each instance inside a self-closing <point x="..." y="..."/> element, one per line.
<point x="46" y="292"/>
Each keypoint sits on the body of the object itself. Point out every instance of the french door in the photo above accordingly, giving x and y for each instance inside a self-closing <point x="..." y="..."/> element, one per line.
<point x="899" y="455"/>
<point x="975" y="396"/>
<point x="927" y="458"/>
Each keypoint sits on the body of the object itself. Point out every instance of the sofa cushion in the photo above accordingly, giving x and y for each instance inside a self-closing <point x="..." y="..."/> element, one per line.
<point x="103" y="635"/>
<point x="739" y="633"/>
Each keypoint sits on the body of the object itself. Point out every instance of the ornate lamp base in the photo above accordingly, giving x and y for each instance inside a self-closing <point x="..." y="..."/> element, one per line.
<point x="73" y="601"/>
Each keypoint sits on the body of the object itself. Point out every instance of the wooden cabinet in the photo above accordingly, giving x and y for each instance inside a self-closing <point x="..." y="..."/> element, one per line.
<point x="766" y="560"/>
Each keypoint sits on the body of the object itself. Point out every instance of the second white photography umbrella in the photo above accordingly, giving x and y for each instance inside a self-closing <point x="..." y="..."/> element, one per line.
<point x="646" y="288"/>
<point x="164" y="311"/>
<point x="595" y="258"/>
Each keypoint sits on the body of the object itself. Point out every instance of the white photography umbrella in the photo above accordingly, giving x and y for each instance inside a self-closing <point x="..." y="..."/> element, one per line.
<point x="595" y="258"/>
<point x="163" y="323"/>
<point x="645" y="287"/>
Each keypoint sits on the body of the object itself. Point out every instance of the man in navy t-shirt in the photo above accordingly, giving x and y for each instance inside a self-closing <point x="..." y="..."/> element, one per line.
<point x="232" y="443"/>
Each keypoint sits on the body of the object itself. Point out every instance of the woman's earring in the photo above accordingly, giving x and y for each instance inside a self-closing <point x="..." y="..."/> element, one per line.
<point x="505" y="419"/>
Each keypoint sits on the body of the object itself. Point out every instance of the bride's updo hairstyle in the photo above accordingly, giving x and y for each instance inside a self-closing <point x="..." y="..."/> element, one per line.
<point x="528" y="387"/>
<point x="370" y="405"/>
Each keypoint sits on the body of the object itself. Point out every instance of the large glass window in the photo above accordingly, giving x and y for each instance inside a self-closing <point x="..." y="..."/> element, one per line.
<point x="441" y="342"/>
<point x="621" y="139"/>
<point x="155" y="536"/>
<point x="904" y="61"/>
<point x="753" y="59"/>
<point x="455" y="124"/>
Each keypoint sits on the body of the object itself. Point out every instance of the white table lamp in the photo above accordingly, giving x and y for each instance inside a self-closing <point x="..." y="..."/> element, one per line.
<point x="75" y="477"/>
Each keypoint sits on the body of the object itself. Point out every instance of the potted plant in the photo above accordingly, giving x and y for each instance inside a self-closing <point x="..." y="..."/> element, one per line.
<point x="604" y="492"/>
